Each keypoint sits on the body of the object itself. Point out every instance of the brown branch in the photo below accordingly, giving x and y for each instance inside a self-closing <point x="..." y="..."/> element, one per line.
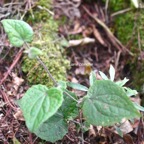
<point x="15" y="61"/>
<point x="112" y="38"/>
<point x="6" y="99"/>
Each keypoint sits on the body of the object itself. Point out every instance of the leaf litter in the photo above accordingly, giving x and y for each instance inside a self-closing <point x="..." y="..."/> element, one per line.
<point x="96" y="49"/>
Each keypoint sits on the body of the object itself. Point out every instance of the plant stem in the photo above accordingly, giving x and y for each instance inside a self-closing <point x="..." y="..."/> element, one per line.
<point x="70" y="96"/>
<point x="54" y="81"/>
<point x="46" y="69"/>
<point x="50" y="75"/>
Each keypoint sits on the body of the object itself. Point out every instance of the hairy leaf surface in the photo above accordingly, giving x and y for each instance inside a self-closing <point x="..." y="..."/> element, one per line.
<point x="106" y="104"/>
<point x="40" y="103"/>
<point x="53" y="129"/>
<point x="18" y="31"/>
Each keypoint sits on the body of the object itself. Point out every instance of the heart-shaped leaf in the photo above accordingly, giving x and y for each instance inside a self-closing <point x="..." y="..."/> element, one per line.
<point x="40" y="103"/>
<point x="18" y="31"/>
<point x="106" y="104"/>
<point x="53" y="129"/>
<point x="56" y="127"/>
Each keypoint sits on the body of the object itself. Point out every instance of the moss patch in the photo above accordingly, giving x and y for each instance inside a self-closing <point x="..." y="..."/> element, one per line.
<point x="47" y="40"/>
<point x="125" y="27"/>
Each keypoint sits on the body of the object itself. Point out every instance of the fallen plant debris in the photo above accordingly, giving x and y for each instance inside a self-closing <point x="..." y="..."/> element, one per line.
<point x="97" y="54"/>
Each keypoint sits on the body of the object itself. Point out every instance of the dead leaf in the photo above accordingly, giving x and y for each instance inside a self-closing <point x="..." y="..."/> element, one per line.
<point x="19" y="116"/>
<point x="77" y="28"/>
<point x="88" y="66"/>
<point x="83" y="41"/>
<point x="128" y="139"/>
<point x="98" y="36"/>
<point x="92" y="131"/>
<point x="14" y="85"/>
<point x="74" y="80"/>
<point x="17" y="81"/>
<point x="87" y="31"/>
<point x="99" y="128"/>
<point x="126" y="127"/>
<point x="80" y="70"/>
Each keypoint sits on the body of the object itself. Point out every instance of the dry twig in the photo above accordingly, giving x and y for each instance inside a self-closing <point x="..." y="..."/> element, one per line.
<point x="112" y="38"/>
<point x="15" y="61"/>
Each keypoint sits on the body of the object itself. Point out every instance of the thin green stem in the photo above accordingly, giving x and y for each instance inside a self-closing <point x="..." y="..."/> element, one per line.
<point x="50" y="75"/>
<point x="46" y="69"/>
<point x="71" y="96"/>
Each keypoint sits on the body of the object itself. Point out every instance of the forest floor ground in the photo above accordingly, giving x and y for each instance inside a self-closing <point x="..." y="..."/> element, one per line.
<point x="92" y="46"/>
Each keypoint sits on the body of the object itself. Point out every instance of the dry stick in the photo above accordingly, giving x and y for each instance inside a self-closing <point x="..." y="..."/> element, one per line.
<point x="139" y="40"/>
<point x="81" y="125"/>
<point x="7" y="100"/>
<point x="106" y="5"/>
<point x="113" y="39"/>
<point x="17" y="57"/>
<point x="117" y="60"/>
<point x="106" y="9"/>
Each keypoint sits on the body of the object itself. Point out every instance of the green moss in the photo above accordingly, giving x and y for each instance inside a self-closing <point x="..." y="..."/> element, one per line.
<point x="45" y="3"/>
<point x="54" y="57"/>
<point x="138" y="74"/>
<point x="125" y="27"/>
<point x="39" y="14"/>
<point x="116" y="5"/>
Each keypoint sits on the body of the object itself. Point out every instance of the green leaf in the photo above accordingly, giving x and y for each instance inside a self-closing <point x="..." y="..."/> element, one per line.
<point x="62" y="85"/>
<point x="40" y="103"/>
<point x="130" y="92"/>
<point x="69" y="107"/>
<point x="64" y="43"/>
<point x="112" y="73"/>
<point x="137" y="106"/>
<point x="122" y="82"/>
<point x="53" y="129"/>
<point x="86" y="126"/>
<point x="18" y="31"/>
<point x="92" y="78"/>
<point x="33" y="52"/>
<point x="103" y="75"/>
<point x="106" y="104"/>
<point x="77" y="86"/>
